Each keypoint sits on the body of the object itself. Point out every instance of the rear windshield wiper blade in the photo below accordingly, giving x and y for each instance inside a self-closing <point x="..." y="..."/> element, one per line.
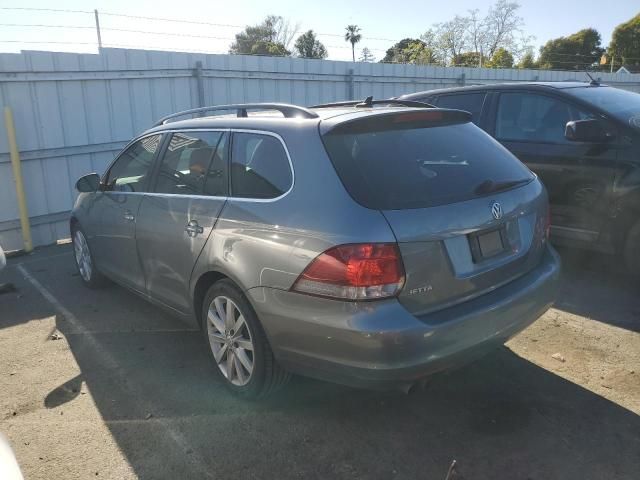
<point x="489" y="186"/>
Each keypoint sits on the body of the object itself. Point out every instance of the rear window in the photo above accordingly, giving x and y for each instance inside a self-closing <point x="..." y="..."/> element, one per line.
<point x="471" y="102"/>
<point x="399" y="164"/>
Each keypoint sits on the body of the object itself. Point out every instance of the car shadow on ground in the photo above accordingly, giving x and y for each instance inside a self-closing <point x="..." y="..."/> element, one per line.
<point x="596" y="286"/>
<point x="501" y="417"/>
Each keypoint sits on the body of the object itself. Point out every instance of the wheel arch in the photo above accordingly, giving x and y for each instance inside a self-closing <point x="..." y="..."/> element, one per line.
<point x="73" y="223"/>
<point x="201" y="285"/>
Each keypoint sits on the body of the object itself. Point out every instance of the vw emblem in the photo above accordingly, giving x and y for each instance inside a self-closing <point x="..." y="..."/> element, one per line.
<point x="496" y="210"/>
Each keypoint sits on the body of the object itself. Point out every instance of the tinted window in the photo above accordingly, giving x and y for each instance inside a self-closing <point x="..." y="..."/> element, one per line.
<point x="130" y="172"/>
<point x="536" y="118"/>
<point x="193" y="164"/>
<point x="259" y="166"/>
<point x="623" y="105"/>
<point x="470" y="102"/>
<point x="421" y="167"/>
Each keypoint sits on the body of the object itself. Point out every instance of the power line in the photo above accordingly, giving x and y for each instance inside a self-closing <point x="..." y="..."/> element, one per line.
<point x="173" y="20"/>
<point x="47" y="41"/>
<point x="162" y="19"/>
<point x="42" y="25"/>
<point x="56" y="10"/>
<point x="365" y="37"/>
<point x="147" y="32"/>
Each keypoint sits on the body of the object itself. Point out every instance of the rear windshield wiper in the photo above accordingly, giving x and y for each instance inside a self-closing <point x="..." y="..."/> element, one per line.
<point x="489" y="186"/>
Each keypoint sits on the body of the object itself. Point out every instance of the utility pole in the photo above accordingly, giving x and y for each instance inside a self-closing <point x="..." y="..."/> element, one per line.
<point x="98" y="29"/>
<point x="612" y="57"/>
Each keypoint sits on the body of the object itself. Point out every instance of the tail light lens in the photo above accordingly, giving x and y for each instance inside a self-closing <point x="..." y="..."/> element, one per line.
<point x="363" y="271"/>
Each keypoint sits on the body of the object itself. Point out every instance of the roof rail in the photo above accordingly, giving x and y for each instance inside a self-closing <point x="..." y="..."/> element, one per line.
<point x="369" y="102"/>
<point x="289" y="111"/>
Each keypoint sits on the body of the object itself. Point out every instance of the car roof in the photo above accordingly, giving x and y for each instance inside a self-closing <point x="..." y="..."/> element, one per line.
<point x="271" y="121"/>
<point x="505" y="86"/>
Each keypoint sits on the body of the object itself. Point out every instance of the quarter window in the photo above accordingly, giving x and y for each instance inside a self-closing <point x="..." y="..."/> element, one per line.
<point x="259" y="166"/>
<point x="470" y="102"/>
<point x="130" y="172"/>
<point x="534" y="118"/>
<point x="194" y="164"/>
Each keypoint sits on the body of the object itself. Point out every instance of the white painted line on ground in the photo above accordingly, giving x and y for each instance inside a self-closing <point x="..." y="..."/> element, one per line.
<point x="197" y="463"/>
<point x="122" y="332"/>
<point x="27" y="261"/>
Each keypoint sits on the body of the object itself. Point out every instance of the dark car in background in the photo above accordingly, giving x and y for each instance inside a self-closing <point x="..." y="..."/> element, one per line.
<point x="583" y="142"/>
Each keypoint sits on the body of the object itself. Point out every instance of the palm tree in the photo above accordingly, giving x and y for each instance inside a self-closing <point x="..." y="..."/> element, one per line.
<point x="353" y="35"/>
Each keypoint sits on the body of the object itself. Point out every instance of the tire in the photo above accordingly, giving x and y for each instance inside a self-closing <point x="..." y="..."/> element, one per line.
<point x="632" y="250"/>
<point x="85" y="265"/>
<point x="238" y="348"/>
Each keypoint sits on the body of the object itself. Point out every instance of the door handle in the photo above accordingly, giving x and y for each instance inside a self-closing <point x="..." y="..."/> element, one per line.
<point x="193" y="228"/>
<point x="128" y="216"/>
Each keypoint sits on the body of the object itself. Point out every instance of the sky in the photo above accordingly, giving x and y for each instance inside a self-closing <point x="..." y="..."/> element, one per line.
<point x="382" y="22"/>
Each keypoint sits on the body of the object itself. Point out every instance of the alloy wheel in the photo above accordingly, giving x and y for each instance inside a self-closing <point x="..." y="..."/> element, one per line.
<point x="83" y="256"/>
<point x="230" y="340"/>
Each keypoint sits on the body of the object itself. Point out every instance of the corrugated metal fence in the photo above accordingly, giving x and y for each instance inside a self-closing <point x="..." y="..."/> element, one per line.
<point x="73" y="112"/>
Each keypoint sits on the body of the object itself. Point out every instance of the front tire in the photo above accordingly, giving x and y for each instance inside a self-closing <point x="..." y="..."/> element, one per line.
<point x="90" y="276"/>
<point x="237" y="344"/>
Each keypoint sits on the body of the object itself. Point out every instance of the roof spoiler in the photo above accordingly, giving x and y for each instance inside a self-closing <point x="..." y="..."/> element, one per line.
<point x="400" y="120"/>
<point x="369" y="102"/>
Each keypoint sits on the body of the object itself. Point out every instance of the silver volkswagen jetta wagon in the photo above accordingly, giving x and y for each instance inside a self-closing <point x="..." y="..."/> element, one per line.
<point x="365" y="243"/>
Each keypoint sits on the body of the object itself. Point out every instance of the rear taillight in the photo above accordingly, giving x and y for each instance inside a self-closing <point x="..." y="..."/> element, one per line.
<point x="363" y="271"/>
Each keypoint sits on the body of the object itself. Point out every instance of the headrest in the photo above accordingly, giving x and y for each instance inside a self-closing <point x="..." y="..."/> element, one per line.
<point x="201" y="156"/>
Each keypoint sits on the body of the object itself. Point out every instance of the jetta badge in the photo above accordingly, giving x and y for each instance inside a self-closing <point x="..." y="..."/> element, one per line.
<point x="496" y="210"/>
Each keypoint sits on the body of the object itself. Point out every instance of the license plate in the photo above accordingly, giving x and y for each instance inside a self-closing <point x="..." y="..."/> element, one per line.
<point x="486" y="245"/>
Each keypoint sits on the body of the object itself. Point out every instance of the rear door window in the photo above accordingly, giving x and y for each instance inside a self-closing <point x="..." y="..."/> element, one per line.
<point x="259" y="166"/>
<point x="470" y="102"/>
<point x="392" y="164"/>
<point x="194" y="163"/>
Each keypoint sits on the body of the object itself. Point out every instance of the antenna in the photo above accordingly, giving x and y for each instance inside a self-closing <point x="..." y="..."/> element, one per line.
<point x="593" y="82"/>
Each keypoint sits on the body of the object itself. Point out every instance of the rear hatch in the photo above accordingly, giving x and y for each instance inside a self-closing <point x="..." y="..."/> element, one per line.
<point x="468" y="216"/>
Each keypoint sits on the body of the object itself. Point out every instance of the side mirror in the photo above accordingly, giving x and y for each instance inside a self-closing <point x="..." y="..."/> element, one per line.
<point x="89" y="183"/>
<point x="589" y="130"/>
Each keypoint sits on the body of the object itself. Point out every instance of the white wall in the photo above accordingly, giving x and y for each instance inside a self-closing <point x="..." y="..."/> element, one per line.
<point x="73" y="112"/>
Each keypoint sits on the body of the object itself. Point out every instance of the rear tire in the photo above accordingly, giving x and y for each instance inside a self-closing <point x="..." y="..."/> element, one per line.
<point x="89" y="274"/>
<point x="237" y="344"/>
<point x="632" y="250"/>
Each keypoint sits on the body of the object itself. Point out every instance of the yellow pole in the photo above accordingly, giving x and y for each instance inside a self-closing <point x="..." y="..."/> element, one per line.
<point x="17" y="174"/>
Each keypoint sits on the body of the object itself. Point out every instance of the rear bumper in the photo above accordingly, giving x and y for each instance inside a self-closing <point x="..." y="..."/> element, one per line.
<point x="382" y="345"/>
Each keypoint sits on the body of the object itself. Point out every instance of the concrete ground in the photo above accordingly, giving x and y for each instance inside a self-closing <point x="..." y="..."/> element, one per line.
<point x="102" y="384"/>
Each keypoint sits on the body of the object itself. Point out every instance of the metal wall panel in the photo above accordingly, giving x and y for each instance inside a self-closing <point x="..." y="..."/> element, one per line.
<point x="74" y="111"/>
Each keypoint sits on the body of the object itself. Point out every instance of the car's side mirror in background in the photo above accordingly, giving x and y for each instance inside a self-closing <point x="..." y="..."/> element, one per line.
<point x="88" y="183"/>
<point x="588" y="130"/>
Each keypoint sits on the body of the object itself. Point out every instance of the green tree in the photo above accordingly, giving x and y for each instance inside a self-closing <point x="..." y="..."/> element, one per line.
<point x="392" y="54"/>
<point x="410" y="50"/>
<point x="308" y="46"/>
<point x="501" y="59"/>
<point x="419" y="53"/>
<point x="468" y="59"/>
<point x="575" y="52"/>
<point x="268" y="38"/>
<point x="527" y="61"/>
<point x="366" y="56"/>
<point x="624" y="48"/>
<point x="353" y="36"/>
